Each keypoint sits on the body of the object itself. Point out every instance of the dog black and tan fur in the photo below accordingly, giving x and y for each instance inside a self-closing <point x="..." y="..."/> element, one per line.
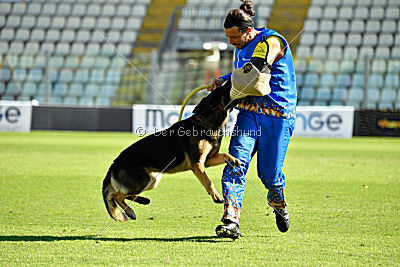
<point x="140" y="166"/>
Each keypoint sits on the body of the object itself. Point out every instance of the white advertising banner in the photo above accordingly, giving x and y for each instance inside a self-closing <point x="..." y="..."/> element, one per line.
<point x="15" y="116"/>
<point x="148" y="119"/>
<point x="312" y="121"/>
<point x="324" y="121"/>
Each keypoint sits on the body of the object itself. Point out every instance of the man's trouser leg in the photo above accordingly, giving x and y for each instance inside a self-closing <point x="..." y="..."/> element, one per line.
<point x="242" y="147"/>
<point x="272" y="147"/>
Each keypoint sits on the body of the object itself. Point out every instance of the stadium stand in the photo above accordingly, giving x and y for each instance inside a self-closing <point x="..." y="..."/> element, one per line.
<point x="81" y="60"/>
<point x="350" y="30"/>
<point x="348" y="52"/>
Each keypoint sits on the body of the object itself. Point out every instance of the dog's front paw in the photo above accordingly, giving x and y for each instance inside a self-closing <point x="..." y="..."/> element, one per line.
<point x="234" y="162"/>
<point x="218" y="199"/>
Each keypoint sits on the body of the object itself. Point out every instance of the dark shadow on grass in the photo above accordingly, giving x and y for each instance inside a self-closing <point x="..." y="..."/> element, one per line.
<point x="47" y="238"/>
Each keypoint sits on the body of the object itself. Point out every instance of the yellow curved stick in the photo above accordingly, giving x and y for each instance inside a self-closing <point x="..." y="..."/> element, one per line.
<point x="189" y="96"/>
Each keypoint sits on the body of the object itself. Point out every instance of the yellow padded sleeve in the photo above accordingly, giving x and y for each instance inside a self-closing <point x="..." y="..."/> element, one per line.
<point x="261" y="50"/>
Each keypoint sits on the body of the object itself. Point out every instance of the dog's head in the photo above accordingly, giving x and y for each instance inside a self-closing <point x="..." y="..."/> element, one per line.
<point x="218" y="100"/>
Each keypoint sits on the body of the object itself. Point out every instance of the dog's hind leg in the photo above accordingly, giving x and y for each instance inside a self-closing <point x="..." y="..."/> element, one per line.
<point x="139" y="199"/>
<point x="111" y="206"/>
<point x="120" y="199"/>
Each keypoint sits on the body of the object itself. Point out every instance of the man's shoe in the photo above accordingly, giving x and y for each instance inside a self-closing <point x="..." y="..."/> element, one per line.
<point x="228" y="229"/>
<point x="282" y="219"/>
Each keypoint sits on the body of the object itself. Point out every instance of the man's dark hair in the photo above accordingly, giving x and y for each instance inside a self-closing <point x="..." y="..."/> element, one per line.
<point x="240" y="17"/>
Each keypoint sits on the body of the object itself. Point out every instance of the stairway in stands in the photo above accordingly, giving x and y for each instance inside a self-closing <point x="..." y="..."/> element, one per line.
<point x="288" y="18"/>
<point x="133" y="85"/>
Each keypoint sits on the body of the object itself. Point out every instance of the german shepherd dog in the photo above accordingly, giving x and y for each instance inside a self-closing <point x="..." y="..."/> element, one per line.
<point x="191" y="144"/>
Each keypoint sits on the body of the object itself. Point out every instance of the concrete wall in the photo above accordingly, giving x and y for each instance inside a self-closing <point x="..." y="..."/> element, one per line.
<point x="82" y="119"/>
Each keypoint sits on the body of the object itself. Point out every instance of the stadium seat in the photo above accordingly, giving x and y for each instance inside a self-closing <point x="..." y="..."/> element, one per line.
<point x="343" y="80"/>
<point x="28" y="22"/>
<point x="307" y="94"/>
<point x="48" y="9"/>
<point x="19" y="75"/>
<point x="2" y="88"/>
<point x="63" y="10"/>
<point x="335" y="52"/>
<point x="60" y="90"/>
<point x="328" y="80"/>
<point x="326" y="26"/>
<point x="323" y="39"/>
<point x="55" y="100"/>
<point x="34" y="8"/>
<point x="382" y="52"/>
<point x="339" y="39"/>
<point x="392" y="12"/>
<point x="29" y="89"/>
<point x="66" y="76"/>
<point x="388" y="96"/>
<point x="94" y="10"/>
<point x="311" y="26"/>
<point x="350" y="52"/>
<point x="299" y="79"/>
<point x="392" y="81"/>
<point x="356" y="95"/>
<point x="389" y="26"/>
<point x="70" y="101"/>
<point x="91" y="90"/>
<point x="75" y="89"/>
<point x="330" y="12"/>
<point x="345" y="13"/>
<point x="373" y="97"/>
<point x="331" y="66"/>
<point x="78" y="10"/>
<point x="315" y="65"/>
<point x="323" y="95"/>
<point x="311" y="79"/>
<point x="303" y="52"/>
<point x="361" y="13"/>
<point x="319" y="52"/>
<point x="347" y="66"/>
<point x="73" y="23"/>
<point x="56" y="62"/>
<point x="342" y="26"/>
<point x="108" y="90"/>
<point x="385" y="40"/>
<point x="382" y="105"/>
<point x="102" y="102"/>
<point x="88" y="23"/>
<point x="7" y="34"/>
<point x="357" y="26"/>
<point x="354" y="39"/>
<point x="339" y="96"/>
<point x="35" y="75"/>
<point x="86" y="101"/>
<point x="12" y="89"/>
<point x="377" y="12"/>
<point x="96" y="76"/>
<point x="43" y="22"/>
<point x="113" y="76"/>
<point x="370" y="39"/>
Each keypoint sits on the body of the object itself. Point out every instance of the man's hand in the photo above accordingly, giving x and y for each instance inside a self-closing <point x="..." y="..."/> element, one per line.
<point x="215" y="83"/>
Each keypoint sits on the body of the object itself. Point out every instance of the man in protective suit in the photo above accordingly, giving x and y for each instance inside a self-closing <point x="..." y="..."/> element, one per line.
<point x="264" y="77"/>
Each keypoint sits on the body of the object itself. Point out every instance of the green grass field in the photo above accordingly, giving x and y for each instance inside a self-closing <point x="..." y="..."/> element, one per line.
<point x="343" y="197"/>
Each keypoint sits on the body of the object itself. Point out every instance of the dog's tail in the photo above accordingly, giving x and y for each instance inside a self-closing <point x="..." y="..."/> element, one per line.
<point x="109" y="201"/>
